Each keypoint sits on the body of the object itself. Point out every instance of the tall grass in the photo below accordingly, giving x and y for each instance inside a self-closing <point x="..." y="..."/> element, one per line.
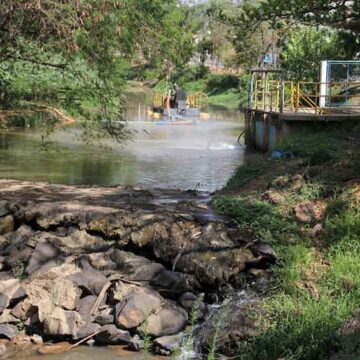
<point x="316" y="282"/>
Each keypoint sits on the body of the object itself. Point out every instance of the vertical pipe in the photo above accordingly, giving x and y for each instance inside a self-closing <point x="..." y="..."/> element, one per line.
<point x="251" y="95"/>
<point x="256" y="94"/>
<point x="298" y="97"/>
<point x="347" y="83"/>
<point x="282" y="93"/>
<point x="265" y="91"/>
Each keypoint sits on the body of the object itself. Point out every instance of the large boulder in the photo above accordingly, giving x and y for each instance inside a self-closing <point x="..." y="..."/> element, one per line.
<point x="57" y="291"/>
<point x="135" y="307"/>
<point x="59" y="322"/>
<point x="168" y="320"/>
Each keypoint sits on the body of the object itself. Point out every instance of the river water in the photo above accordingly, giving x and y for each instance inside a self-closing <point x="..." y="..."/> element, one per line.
<point x="199" y="156"/>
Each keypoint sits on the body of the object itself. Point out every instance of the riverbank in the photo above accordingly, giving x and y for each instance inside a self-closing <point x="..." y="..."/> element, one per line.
<point x="122" y="265"/>
<point x="307" y="208"/>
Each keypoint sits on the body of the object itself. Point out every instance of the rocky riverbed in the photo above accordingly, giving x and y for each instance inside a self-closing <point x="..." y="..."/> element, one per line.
<point x="120" y="265"/>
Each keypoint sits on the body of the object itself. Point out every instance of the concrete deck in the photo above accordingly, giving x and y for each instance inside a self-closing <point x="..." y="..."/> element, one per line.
<point x="288" y="115"/>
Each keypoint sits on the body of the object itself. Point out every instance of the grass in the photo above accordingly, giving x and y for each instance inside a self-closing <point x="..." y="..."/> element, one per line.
<point x="316" y="281"/>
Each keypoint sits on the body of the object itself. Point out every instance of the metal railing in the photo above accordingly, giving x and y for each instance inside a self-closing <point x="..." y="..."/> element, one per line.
<point x="197" y="100"/>
<point x="303" y="96"/>
<point x="159" y="100"/>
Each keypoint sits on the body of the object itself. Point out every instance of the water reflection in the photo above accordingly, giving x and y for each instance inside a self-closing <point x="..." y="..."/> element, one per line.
<point x="202" y="155"/>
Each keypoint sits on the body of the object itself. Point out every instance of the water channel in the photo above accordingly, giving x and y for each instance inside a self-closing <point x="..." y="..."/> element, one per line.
<point x="199" y="156"/>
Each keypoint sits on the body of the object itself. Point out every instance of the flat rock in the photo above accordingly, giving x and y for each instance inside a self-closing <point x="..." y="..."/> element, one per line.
<point x="261" y="248"/>
<point x="215" y="267"/>
<point x="58" y="348"/>
<point x="169" y="343"/>
<point x="111" y="335"/>
<point x="73" y="241"/>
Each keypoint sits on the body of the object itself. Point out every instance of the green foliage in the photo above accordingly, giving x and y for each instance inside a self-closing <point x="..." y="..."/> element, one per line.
<point x="250" y="170"/>
<point x="259" y="216"/>
<point x="228" y="91"/>
<point x="205" y="47"/>
<point x="218" y="83"/>
<point x="315" y="286"/>
<point x="304" y="50"/>
<point x="76" y="55"/>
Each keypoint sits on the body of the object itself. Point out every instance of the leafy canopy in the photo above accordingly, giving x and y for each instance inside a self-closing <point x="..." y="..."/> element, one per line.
<point x="83" y="45"/>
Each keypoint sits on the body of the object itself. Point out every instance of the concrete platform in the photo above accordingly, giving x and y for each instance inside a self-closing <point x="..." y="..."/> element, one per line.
<point x="264" y="129"/>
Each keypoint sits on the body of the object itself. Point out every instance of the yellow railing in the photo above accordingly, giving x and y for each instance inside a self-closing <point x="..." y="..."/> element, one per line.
<point x="159" y="100"/>
<point x="275" y="95"/>
<point x="197" y="100"/>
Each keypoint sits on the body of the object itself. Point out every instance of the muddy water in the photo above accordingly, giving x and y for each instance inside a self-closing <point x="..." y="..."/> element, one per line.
<point x="84" y="353"/>
<point x="202" y="155"/>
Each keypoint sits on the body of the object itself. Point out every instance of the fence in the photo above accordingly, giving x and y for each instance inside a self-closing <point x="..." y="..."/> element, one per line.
<point x="279" y="96"/>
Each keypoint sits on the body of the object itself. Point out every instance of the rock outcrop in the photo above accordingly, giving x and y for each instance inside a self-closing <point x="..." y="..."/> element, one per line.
<point x="114" y="263"/>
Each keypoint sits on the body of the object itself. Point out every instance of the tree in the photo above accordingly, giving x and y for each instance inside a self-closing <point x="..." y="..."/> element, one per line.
<point x="85" y="43"/>
<point x="305" y="48"/>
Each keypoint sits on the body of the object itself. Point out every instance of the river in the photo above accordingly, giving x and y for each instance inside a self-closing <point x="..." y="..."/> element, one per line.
<point x="199" y="156"/>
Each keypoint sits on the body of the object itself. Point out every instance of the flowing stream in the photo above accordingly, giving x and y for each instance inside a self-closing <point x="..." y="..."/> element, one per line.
<point x="199" y="156"/>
